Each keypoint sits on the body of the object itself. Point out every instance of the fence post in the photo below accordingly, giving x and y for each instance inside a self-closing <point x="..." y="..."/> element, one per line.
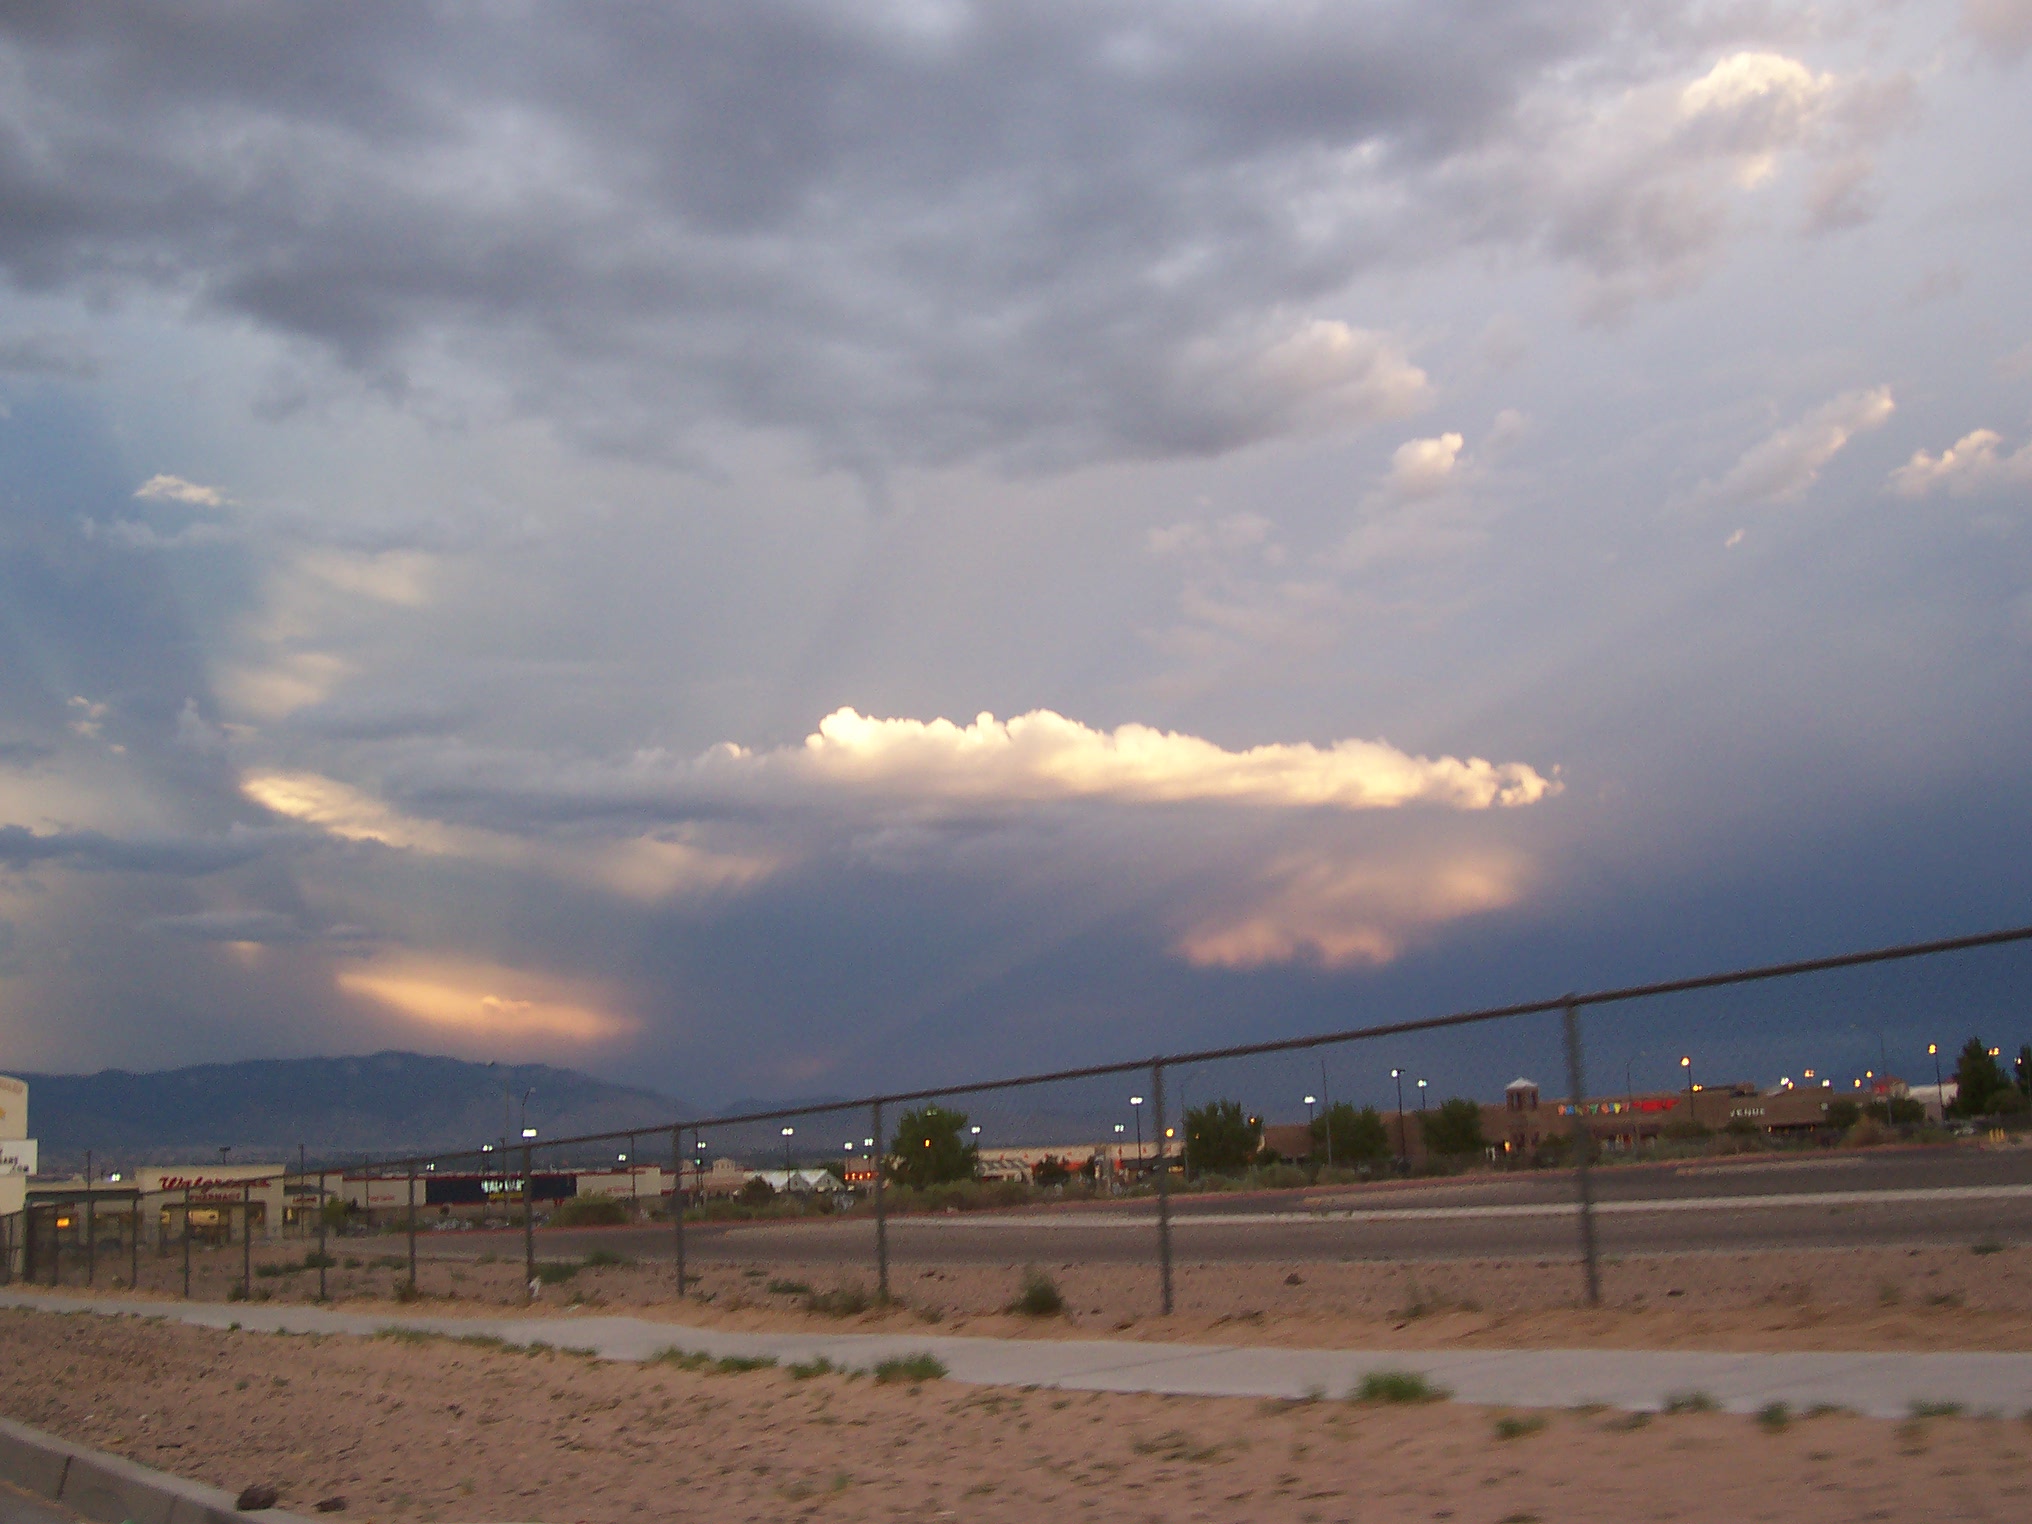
<point x="412" y="1230"/>
<point x="677" y="1201"/>
<point x="1163" y="1184"/>
<point x="91" y="1228"/>
<point x="881" y="1214"/>
<point x="134" y="1243"/>
<point x="1583" y="1146"/>
<point x="322" y="1257"/>
<point x="247" y="1241"/>
<point x="529" y="1221"/>
<point x="186" y="1243"/>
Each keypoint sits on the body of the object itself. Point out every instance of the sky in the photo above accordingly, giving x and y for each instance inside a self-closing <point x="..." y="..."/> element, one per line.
<point x="769" y="549"/>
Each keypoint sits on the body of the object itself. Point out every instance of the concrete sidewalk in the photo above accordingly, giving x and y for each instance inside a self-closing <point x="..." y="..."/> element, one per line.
<point x="1882" y="1385"/>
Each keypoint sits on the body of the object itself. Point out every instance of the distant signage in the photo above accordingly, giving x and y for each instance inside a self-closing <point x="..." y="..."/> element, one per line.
<point x="1648" y="1106"/>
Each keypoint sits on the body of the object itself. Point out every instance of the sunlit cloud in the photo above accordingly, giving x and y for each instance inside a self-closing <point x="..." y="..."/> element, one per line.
<point x="643" y="867"/>
<point x="1783" y="466"/>
<point x="1971" y="464"/>
<point x="1343" y="912"/>
<point x="175" y="489"/>
<point x="477" y="1001"/>
<point x="1043" y="756"/>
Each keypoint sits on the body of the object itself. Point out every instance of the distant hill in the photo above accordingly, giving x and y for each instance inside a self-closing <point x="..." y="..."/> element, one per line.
<point x="338" y="1108"/>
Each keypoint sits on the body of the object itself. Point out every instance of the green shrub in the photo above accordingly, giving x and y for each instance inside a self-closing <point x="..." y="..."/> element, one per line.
<point x="589" y="1212"/>
<point x="1690" y="1402"/>
<point x="848" y="1301"/>
<point x="787" y="1288"/>
<point x="810" y="1368"/>
<point x="557" y="1272"/>
<point x="1040" y="1296"/>
<point x="1396" y="1386"/>
<point x="1510" y="1426"/>
<point x="1774" y="1416"/>
<point x="604" y="1259"/>
<point x="925" y="1367"/>
<point x="697" y="1360"/>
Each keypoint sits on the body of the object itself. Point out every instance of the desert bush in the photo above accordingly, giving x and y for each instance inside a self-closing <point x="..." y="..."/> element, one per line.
<point x="1040" y="1296"/>
<point x="848" y="1301"/>
<point x="604" y="1259"/>
<point x="1395" y="1386"/>
<point x="925" y="1367"/>
<point x="557" y="1272"/>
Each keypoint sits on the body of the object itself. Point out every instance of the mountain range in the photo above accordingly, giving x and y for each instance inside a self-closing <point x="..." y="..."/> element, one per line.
<point x="336" y="1109"/>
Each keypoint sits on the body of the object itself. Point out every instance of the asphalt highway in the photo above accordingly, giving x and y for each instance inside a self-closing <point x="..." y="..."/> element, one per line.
<point x="1948" y="1195"/>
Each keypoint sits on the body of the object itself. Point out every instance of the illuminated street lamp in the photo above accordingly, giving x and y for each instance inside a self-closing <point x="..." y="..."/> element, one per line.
<point x="1403" y="1139"/>
<point x="1686" y="1063"/>
<point x="1421" y="1096"/>
<point x="788" y="1133"/>
<point x="1939" y="1086"/>
<point x="1137" y="1102"/>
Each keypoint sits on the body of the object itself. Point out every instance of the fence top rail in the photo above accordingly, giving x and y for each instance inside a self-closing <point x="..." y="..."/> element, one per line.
<point x="402" y="1166"/>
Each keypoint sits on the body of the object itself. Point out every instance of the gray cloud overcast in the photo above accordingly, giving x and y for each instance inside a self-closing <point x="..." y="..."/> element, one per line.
<point x="906" y="233"/>
<point x="418" y="443"/>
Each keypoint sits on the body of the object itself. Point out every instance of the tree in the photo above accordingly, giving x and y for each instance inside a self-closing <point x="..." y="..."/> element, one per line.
<point x="1050" y="1170"/>
<point x="1978" y="1080"/>
<point x="1359" y="1137"/>
<point x="1220" y="1139"/>
<point x="932" y="1147"/>
<point x="2025" y="1070"/>
<point x="1843" y="1113"/>
<point x="1456" y="1128"/>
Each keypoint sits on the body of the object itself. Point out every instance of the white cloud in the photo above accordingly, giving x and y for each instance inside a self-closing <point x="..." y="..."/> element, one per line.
<point x="1042" y="756"/>
<point x="1421" y="467"/>
<point x="1970" y="464"/>
<point x="1790" y="461"/>
<point x="176" y="490"/>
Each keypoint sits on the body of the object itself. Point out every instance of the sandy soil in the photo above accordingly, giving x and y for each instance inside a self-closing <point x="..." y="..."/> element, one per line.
<point x="1831" y="1299"/>
<point x="436" y="1430"/>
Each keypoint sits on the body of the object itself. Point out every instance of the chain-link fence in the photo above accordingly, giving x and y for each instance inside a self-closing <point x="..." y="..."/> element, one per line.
<point x="1388" y="1138"/>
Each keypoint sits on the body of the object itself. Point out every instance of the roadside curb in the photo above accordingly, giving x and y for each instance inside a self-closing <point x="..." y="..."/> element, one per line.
<point x="112" y="1489"/>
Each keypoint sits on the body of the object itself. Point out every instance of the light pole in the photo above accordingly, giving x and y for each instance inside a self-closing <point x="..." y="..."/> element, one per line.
<point x="1686" y="1063"/>
<point x="1421" y="1097"/>
<point x="788" y="1134"/>
<point x="1326" y="1102"/>
<point x="1403" y="1137"/>
<point x="1137" y="1102"/>
<point x="1939" y="1085"/>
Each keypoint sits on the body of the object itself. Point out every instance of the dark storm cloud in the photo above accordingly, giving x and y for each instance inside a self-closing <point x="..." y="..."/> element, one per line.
<point x="174" y="855"/>
<point x="1039" y="233"/>
<point x="268" y="927"/>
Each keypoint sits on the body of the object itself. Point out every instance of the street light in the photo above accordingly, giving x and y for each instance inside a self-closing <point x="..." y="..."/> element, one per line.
<point x="1137" y="1102"/>
<point x="788" y="1133"/>
<point x="1686" y="1063"/>
<point x="1421" y="1097"/>
<point x="1939" y="1086"/>
<point x="1403" y="1138"/>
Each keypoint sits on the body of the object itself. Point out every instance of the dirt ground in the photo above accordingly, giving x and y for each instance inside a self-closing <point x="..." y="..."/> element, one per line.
<point x="1964" y="1298"/>
<point x="440" y="1431"/>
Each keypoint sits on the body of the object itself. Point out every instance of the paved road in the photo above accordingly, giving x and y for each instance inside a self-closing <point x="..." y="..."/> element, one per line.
<point x="1960" y="1195"/>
